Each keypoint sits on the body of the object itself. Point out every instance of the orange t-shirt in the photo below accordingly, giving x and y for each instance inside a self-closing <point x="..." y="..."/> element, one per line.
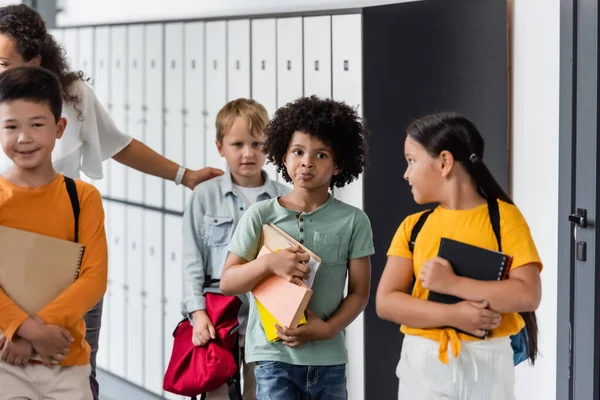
<point x="474" y="227"/>
<point x="47" y="210"/>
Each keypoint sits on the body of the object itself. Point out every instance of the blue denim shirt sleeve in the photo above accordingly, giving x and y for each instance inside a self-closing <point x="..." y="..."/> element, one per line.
<point x="194" y="271"/>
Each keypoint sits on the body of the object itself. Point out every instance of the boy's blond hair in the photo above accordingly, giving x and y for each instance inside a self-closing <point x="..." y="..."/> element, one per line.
<point x="253" y="112"/>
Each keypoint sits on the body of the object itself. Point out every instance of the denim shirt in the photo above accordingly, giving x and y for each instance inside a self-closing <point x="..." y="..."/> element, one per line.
<point x="209" y="220"/>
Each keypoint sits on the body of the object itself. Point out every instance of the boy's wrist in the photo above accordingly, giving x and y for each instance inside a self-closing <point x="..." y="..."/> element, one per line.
<point x="29" y="329"/>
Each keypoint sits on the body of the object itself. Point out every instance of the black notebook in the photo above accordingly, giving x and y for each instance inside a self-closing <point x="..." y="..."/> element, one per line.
<point x="471" y="262"/>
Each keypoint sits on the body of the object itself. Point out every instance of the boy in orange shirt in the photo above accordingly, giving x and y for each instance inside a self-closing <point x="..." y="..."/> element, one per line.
<point x="33" y="197"/>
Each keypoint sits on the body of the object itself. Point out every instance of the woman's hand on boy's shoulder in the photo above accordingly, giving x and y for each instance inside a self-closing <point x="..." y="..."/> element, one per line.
<point x="314" y="329"/>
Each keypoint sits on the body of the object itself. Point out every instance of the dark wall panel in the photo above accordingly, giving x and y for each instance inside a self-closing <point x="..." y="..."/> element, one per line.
<point x="419" y="58"/>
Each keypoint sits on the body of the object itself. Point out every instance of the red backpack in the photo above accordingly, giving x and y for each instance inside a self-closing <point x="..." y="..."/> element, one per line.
<point x="195" y="371"/>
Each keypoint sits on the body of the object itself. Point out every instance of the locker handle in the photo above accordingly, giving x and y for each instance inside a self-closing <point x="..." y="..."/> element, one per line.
<point x="214" y="64"/>
<point x="172" y="64"/>
<point x="346" y="66"/>
<point x="237" y="64"/>
<point x="133" y="245"/>
<point x="316" y="65"/>
<point x="152" y="63"/>
<point x="263" y="65"/>
<point x="151" y="250"/>
<point x="118" y="63"/>
<point x="289" y="65"/>
<point x="173" y="257"/>
<point x="101" y="63"/>
<point x="193" y="64"/>
<point x="135" y="63"/>
<point x="117" y="240"/>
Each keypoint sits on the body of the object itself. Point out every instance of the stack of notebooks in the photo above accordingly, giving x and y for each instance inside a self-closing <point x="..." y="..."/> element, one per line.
<point x="471" y="262"/>
<point x="35" y="269"/>
<point x="279" y="301"/>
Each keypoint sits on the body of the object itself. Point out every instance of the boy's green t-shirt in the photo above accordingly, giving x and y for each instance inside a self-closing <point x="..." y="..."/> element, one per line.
<point x="336" y="232"/>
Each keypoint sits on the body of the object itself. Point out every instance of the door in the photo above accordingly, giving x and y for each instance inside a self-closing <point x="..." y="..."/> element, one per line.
<point x="216" y="87"/>
<point x="317" y="56"/>
<point x="578" y="330"/>
<point x="289" y="60"/>
<point x="133" y="295"/>
<point x="70" y="43"/>
<point x="193" y="116"/>
<point x="238" y="59"/>
<point x="174" y="110"/>
<point x="118" y="99"/>
<point x="134" y="105"/>
<point x="264" y="70"/>
<point x="101" y="88"/>
<point x="85" y="63"/>
<point x="103" y="357"/>
<point x="153" y="106"/>
<point x="152" y="299"/>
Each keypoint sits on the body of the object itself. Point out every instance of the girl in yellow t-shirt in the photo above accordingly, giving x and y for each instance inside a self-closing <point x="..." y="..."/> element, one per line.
<point x="444" y="154"/>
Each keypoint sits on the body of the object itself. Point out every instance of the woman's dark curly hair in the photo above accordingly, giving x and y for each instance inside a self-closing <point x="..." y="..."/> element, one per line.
<point x="334" y="123"/>
<point x="27" y="28"/>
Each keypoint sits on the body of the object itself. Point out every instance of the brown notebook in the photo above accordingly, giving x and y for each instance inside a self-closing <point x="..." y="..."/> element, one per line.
<point x="35" y="269"/>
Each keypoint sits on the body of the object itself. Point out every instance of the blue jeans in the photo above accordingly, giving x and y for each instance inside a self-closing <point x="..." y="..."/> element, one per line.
<point x="93" y="320"/>
<point x="281" y="381"/>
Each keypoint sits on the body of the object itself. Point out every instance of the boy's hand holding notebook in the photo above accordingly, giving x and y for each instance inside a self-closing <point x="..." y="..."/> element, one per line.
<point x="471" y="262"/>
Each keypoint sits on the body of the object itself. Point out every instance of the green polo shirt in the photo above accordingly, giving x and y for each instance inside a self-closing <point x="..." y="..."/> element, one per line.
<point x="336" y="232"/>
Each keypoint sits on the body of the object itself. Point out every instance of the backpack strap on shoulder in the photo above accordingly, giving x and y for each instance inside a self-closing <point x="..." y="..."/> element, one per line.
<point x="72" y="190"/>
<point x="417" y="228"/>
<point x="494" y="212"/>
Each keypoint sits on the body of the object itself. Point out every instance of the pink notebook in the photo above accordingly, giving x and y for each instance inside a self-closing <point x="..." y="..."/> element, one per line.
<point x="285" y="300"/>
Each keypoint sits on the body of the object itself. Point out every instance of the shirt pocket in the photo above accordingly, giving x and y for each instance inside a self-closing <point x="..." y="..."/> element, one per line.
<point x="217" y="230"/>
<point x="327" y="247"/>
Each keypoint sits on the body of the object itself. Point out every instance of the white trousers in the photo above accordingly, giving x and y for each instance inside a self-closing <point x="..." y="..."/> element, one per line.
<point x="37" y="382"/>
<point x="482" y="370"/>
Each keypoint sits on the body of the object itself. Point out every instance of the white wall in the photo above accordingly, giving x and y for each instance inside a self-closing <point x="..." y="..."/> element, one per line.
<point x="93" y="11"/>
<point x="535" y="167"/>
<point x="535" y="124"/>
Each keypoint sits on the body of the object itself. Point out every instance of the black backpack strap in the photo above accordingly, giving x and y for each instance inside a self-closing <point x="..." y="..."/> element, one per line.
<point x="417" y="228"/>
<point x="234" y="388"/>
<point x="495" y="220"/>
<point x="72" y="190"/>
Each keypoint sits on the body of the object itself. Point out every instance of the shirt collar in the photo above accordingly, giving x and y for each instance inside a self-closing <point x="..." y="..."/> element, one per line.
<point x="269" y="187"/>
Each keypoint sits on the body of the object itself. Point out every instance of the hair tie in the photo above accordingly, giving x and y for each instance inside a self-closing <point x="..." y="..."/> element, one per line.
<point x="474" y="158"/>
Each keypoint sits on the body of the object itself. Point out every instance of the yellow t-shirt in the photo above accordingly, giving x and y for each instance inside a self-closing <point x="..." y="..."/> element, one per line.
<point x="474" y="227"/>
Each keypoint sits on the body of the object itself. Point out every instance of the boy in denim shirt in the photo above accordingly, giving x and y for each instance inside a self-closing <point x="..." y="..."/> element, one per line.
<point x="316" y="144"/>
<point x="213" y="212"/>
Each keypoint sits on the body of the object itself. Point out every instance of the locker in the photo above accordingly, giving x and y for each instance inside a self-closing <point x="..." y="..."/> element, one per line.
<point x="135" y="96"/>
<point x="58" y="35"/>
<point x="70" y="44"/>
<point x="264" y="73"/>
<point x="193" y="117"/>
<point x="103" y="356"/>
<point x="134" y="288"/>
<point x="118" y="92"/>
<point x="85" y="53"/>
<point x="216" y="88"/>
<point x="238" y="59"/>
<point x="317" y="56"/>
<point x="289" y="60"/>
<point x="347" y="82"/>
<point x="101" y="88"/>
<point x="117" y="275"/>
<point x="153" y="103"/>
<point x="173" y="284"/>
<point x="174" y="109"/>
<point x="152" y="298"/>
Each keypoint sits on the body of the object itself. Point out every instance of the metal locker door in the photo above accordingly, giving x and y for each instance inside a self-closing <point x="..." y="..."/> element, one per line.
<point x="173" y="285"/>
<point x="118" y="98"/>
<point x="134" y="104"/>
<point x="317" y="56"/>
<point x="153" y="101"/>
<point x="85" y="63"/>
<point x="117" y="274"/>
<point x="133" y="295"/>
<point x="153" y="305"/>
<point x="264" y="70"/>
<point x="101" y="88"/>
<point x="103" y="357"/>
<point x="289" y="60"/>
<point x="70" y="44"/>
<point x="193" y="117"/>
<point x="238" y="59"/>
<point x="216" y="87"/>
<point x="174" y="109"/>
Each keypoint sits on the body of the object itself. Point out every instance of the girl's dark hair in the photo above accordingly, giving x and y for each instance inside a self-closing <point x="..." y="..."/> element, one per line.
<point x="335" y="123"/>
<point x="27" y="28"/>
<point x="459" y="136"/>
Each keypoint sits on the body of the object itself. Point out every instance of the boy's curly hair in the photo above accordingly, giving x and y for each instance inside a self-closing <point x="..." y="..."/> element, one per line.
<point x="27" y="28"/>
<point x="334" y="123"/>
